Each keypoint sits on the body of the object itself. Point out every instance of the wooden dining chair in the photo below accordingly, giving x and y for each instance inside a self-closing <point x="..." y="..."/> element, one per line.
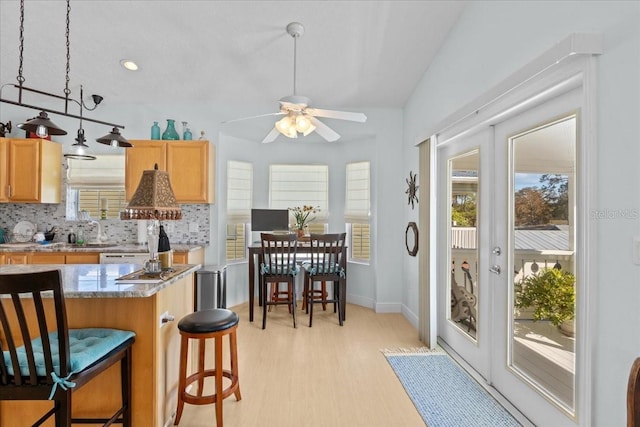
<point x="633" y="395"/>
<point x="278" y="265"/>
<point x="326" y="264"/>
<point x="44" y="360"/>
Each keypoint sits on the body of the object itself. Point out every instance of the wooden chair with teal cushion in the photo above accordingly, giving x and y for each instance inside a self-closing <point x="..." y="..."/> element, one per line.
<point x="44" y="360"/>
<point x="278" y="265"/>
<point x="326" y="264"/>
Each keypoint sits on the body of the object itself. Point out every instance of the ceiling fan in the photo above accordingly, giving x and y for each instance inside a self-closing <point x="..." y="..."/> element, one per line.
<point x="298" y="116"/>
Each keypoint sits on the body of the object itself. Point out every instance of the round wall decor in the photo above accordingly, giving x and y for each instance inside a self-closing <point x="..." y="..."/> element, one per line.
<point x="411" y="238"/>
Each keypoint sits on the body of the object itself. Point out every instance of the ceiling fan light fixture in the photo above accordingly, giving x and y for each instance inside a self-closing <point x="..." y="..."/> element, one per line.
<point x="304" y="125"/>
<point x="287" y="126"/>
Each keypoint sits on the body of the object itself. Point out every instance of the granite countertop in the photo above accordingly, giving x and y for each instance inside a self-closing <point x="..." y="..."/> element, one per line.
<point x="99" y="280"/>
<point x="102" y="247"/>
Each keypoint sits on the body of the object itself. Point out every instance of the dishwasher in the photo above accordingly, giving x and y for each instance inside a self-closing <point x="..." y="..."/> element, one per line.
<point x="124" y="258"/>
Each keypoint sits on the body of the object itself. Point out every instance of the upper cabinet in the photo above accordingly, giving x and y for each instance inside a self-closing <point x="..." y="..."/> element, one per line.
<point x="190" y="165"/>
<point x="30" y="171"/>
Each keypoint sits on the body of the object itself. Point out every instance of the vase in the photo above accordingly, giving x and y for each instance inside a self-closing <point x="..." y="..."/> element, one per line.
<point x="170" y="132"/>
<point x="187" y="135"/>
<point x="155" y="131"/>
<point x="300" y="232"/>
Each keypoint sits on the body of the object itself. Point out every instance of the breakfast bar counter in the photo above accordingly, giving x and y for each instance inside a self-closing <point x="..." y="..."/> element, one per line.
<point x="94" y="298"/>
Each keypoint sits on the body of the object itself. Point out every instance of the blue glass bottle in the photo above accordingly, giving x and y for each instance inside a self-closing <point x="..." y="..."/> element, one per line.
<point x="187" y="135"/>
<point x="170" y="132"/>
<point x="155" y="131"/>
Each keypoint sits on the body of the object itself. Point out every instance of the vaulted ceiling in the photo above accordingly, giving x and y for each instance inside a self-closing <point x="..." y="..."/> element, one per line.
<point x="235" y="54"/>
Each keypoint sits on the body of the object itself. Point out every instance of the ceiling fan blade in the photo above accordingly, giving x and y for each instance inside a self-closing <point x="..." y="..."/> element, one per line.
<point x="279" y="113"/>
<point x="333" y="114"/>
<point x="324" y="131"/>
<point x="271" y="136"/>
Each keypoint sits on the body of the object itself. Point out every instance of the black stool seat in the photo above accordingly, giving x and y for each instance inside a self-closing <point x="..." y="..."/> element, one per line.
<point x="205" y="321"/>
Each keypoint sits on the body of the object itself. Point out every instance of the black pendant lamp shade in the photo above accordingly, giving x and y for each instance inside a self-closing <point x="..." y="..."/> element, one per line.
<point x="42" y="126"/>
<point x="79" y="149"/>
<point x="114" y="139"/>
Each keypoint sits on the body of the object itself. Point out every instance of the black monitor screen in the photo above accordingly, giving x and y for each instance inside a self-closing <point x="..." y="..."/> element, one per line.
<point x="269" y="219"/>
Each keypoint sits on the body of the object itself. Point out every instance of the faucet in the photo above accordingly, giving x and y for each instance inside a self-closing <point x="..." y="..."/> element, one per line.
<point x="100" y="237"/>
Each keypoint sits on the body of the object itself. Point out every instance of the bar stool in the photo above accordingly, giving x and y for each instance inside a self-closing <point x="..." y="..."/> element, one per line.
<point x="201" y="325"/>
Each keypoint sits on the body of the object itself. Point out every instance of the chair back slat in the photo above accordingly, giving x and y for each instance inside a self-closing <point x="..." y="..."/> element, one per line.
<point x="327" y="252"/>
<point x="37" y="284"/>
<point x="279" y="253"/>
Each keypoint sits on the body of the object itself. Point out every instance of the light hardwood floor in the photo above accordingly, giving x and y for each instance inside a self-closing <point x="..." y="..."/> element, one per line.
<point x="326" y="375"/>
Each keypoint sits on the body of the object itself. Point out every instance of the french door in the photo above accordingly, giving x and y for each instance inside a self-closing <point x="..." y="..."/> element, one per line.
<point x="507" y="210"/>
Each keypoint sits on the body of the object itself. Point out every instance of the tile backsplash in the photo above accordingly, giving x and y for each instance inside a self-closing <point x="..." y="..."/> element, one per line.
<point x="45" y="216"/>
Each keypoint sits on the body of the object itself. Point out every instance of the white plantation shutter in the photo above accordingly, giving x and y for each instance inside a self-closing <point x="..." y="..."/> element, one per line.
<point x="358" y="191"/>
<point x="106" y="171"/>
<point x="299" y="185"/>
<point x="239" y="191"/>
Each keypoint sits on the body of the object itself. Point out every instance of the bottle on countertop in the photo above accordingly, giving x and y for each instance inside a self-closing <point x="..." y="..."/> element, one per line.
<point x="71" y="238"/>
<point x="164" y="250"/>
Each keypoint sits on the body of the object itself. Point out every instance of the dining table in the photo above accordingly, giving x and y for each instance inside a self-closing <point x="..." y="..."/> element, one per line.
<point x="303" y="248"/>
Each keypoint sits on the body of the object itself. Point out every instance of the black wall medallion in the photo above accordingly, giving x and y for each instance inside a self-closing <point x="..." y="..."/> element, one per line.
<point x="411" y="238"/>
<point x="412" y="191"/>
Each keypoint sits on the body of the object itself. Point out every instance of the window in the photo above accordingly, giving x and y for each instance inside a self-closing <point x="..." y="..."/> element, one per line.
<point x="298" y="185"/>
<point x="96" y="185"/>
<point x="94" y="200"/>
<point x="239" y="196"/>
<point x="357" y="206"/>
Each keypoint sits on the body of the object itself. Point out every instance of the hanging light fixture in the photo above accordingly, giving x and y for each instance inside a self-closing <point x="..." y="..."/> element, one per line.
<point x="79" y="149"/>
<point x="114" y="139"/>
<point x="41" y="125"/>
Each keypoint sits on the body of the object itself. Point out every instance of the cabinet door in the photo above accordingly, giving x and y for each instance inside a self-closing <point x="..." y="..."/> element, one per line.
<point x="83" y="258"/>
<point x="24" y="165"/>
<point x="34" y="171"/>
<point x="46" y="258"/>
<point x="15" y="258"/>
<point x="142" y="156"/>
<point x="188" y="167"/>
<point x="4" y="169"/>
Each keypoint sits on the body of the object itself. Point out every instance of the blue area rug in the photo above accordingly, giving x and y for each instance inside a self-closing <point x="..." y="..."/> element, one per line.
<point x="444" y="394"/>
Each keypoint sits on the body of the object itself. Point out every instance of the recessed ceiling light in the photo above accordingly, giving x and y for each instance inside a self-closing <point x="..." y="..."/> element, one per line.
<point x="129" y="64"/>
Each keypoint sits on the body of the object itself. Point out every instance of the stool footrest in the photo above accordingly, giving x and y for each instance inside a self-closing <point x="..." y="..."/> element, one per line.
<point x="210" y="398"/>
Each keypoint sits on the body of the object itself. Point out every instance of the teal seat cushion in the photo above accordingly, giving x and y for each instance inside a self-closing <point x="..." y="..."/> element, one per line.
<point x="86" y="347"/>
<point x="291" y="269"/>
<point x="323" y="269"/>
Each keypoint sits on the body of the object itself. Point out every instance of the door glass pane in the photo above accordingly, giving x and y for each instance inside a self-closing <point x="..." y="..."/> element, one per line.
<point x="463" y="256"/>
<point x="542" y="238"/>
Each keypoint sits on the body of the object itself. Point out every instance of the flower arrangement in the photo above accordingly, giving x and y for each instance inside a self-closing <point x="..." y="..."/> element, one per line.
<point x="301" y="214"/>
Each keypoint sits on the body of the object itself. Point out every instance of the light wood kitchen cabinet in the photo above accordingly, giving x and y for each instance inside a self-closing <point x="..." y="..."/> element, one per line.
<point x="192" y="257"/>
<point x="82" y="258"/>
<point x="16" y="258"/>
<point x="191" y="167"/>
<point x="64" y="258"/>
<point x="47" y="258"/>
<point x="30" y="171"/>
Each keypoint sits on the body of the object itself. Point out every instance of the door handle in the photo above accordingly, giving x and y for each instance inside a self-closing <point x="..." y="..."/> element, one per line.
<point x="495" y="269"/>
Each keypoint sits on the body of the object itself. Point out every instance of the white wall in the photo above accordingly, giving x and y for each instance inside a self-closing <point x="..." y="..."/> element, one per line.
<point x="491" y="41"/>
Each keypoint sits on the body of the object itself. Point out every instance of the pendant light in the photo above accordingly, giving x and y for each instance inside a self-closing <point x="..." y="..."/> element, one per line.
<point x="41" y="125"/>
<point x="79" y="149"/>
<point x="114" y="139"/>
